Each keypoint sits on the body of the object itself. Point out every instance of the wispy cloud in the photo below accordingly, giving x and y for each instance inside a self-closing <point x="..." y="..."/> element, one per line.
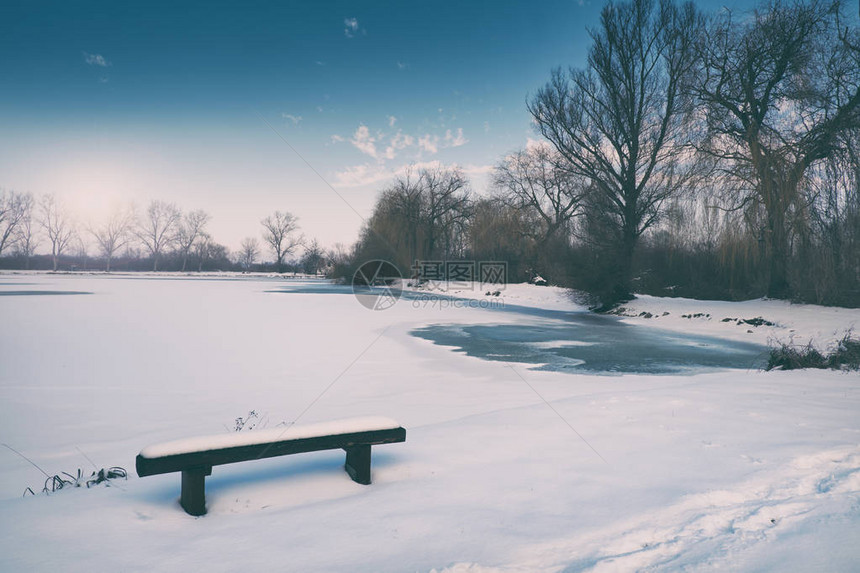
<point x="293" y="118"/>
<point x="537" y="144"/>
<point x="364" y="142"/>
<point x="402" y="66"/>
<point x="96" y="60"/>
<point x="398" y="142"/>
<point x="429" y="143"/>
<point x="370" y="173"/>
<point x="359" y="175"/>
<point x="351" y="27"/>
<point x="455" y="140"/>
<point x="384" y="146"/>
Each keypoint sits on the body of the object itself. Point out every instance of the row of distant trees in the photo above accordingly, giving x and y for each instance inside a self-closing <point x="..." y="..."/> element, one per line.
<point x="696" y="154"/>
<point x="161" y="234"/>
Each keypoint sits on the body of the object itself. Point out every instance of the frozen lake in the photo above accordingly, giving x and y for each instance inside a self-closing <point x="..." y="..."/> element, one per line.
<point x="576" y="341"/>
<point x="521" y="453"/>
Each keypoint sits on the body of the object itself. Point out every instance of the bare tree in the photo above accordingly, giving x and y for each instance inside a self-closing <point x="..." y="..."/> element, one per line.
<point x="248" y="252"/>
<point x="14" y="209"/>
<point x="158" y="228"/>
<point x="534" y="179"/>
<point x="114" y="234"/>
<point x="445" y="210"/>
<point x="57" y="225"/>
<point x="190" y="229"/>
<point x="313" y="258"/>
<point x="204" y="249"/>
<point x="279" y="234"/>
<point x="82" y="251"/>
<point x="26" y="239"/>
<point x="780" y="88"/>
<point x="621" y="122"/>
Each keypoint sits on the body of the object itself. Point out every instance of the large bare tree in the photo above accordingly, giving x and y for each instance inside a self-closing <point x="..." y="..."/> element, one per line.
<point x="249" y="250"/>
<point x="158" y="228"/>
<point x="313" y="258"/>
<point x="15" y="208"/>
<point x="446" y="210"/>
<point x="189" y="230"/>
<point x="279" y="233"/>
<point x="27" y="238"/>
<point x="780" y="88"/>
<point x="114" y="233"/>
<point x="621" y="121"/>
<point x="422" y="215"/>
<point x="535" y="179"/>
<point x="58" y="226"/>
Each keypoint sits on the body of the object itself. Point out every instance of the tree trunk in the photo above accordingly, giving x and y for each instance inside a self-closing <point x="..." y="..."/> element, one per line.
<point x="777" y="243"/>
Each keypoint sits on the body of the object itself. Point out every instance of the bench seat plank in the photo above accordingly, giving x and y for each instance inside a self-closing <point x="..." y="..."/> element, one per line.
<point x="195" y="457"/>
<point x="235" y="439"/>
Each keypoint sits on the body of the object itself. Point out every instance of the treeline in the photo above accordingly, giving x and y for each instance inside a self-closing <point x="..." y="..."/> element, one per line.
<point x="162" y="237"/>
<point x="701" y="155"/>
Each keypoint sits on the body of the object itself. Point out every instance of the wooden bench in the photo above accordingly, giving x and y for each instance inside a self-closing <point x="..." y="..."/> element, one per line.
<point x="195" y="457"/>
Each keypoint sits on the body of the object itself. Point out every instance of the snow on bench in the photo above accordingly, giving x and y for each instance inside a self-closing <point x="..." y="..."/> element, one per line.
<point x="194" y="457"/>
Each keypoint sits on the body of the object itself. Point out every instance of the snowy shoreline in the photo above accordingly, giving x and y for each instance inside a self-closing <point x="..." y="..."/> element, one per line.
<point x="506" y="468"/>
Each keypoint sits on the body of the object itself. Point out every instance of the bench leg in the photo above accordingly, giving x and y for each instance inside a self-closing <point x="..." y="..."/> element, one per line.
<point x="358" y="463"/>
<point x="193" y="496"/>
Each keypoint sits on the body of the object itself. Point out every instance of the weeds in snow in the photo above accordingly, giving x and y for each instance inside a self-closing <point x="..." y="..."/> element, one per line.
<point x="57" y="482"/>
<point x="788" y="356"/>
<point x="246" y="423"/>
<point x="252" y="420"/>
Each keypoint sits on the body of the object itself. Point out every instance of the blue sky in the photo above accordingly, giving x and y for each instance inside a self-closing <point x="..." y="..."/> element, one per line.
<point x="105" y="103"/>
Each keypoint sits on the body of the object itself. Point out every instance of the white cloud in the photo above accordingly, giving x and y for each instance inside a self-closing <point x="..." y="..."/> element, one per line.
<point x="359" y="175"/>
<point x="429" y="143"/>
<point x="401" y="140"/>
<point x="398" y="142"/>
<point x="455" y="140"/>
<point x="96" y="60"/>
<point x="382" y="145"/>
<point x="477" y="169"/>
<point x="402" y="66"/>
<point x="535" y="144"/>
<point x="364" y="142"/>
<point x="294" y="118"/>
<point x="351" y="27"/>
<point x="370" y="173"/>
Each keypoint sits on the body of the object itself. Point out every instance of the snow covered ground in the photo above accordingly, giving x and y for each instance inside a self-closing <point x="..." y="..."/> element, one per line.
<point x="505" y="468"/>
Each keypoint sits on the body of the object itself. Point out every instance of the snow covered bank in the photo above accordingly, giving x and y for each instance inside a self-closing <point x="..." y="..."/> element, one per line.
<point x="505" y="468"/>
<point x="521" y="294"/>
<point x="783" y="322"/>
